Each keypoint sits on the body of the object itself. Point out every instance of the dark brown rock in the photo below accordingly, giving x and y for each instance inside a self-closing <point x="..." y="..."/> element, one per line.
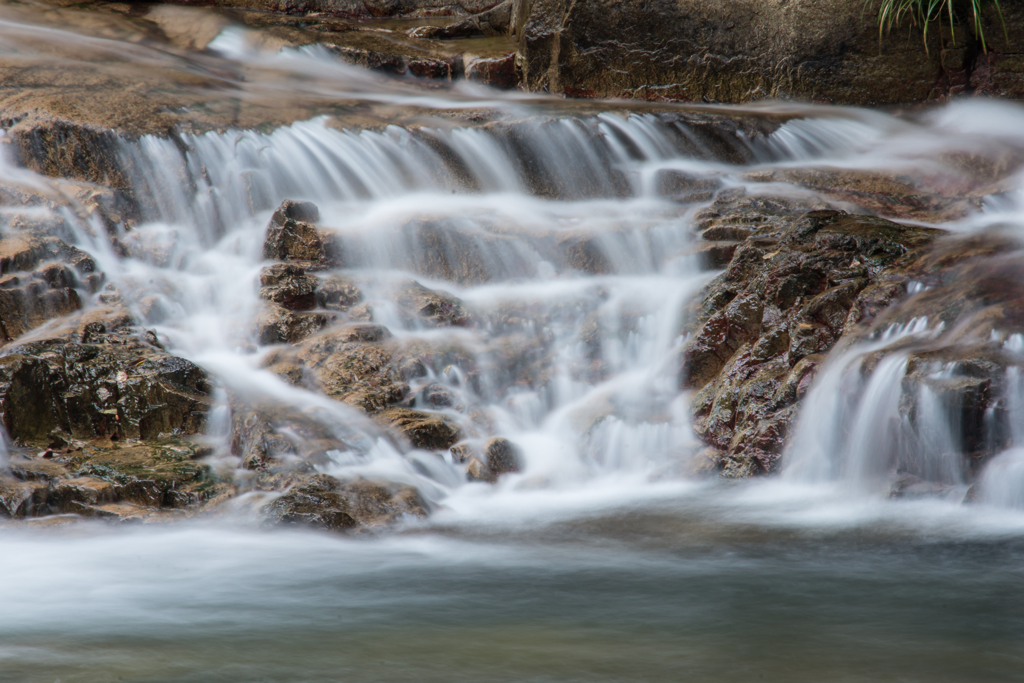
<point x="276" y="324"/>
<point x="314" y="504"/>
<point x="289" y="286"/>
<point x="40" y="279"/>
<point x="324" y="502"/>
<point x="431" y="431"/>
<point x="294" y="239"/>
<point x="497" y="72"/>
<point x="127" y="390"/>
<point x="502" y="456"/>
<point x="787" y="296"/>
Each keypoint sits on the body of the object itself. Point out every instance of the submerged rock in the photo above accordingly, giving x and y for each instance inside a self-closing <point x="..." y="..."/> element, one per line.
<point x="275" y="438"/>
<point x="437" y="309"/>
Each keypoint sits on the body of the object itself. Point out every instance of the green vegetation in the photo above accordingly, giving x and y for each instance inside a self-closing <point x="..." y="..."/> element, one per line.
<point x="922" y="12"/>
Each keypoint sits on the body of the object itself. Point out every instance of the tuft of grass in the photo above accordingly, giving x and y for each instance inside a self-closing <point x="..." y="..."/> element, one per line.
<point x="922" y="12"/>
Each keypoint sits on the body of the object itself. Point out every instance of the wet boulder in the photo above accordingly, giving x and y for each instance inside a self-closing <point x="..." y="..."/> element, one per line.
<point x="290" y="293"/>
<point x="787" y="297"/>
<point x="289" y="286"/>
<point x="41" y="278"/>
<point x="353" y="364"/>
<point x="21" y="498"/>
<point x="488" y="461"/>
<point x="430" y="431"/>
<point x="292" y="236"/>
<point x="324" y="502"/>
<point x="276" y="324"/>
<point x="104" y="385"/>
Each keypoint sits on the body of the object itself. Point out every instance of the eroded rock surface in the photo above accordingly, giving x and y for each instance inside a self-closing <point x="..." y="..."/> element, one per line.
<point x="793" y="287"/>
<point x="324" y="502"/>
<point x="116" y="480"/>
<point x="101" y="380"/>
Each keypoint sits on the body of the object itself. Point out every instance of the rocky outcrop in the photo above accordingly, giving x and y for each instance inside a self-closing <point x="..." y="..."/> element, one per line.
<point x="101" y="382"/>
<point x="114" y="480"/>
<point x="41" y="278"/>
<point x="793" y="287"/>
<point x="803" y="290"/>
<point x="291" y="294"/>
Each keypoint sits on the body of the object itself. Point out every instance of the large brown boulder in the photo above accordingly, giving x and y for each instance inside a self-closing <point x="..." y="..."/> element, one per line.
<point x="100" y="382"/>
<point x="792" y="289"/>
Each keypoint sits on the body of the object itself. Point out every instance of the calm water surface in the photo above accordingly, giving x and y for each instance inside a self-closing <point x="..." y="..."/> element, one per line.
<point x="701" y="583"/>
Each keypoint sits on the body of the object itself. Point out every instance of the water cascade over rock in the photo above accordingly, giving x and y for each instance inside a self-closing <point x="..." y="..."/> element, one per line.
<point x="345" y="324"/>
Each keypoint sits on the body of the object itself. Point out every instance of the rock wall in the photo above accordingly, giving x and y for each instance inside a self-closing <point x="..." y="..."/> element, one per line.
<point x="358" y="8"/>
<point x="705" y="50"/>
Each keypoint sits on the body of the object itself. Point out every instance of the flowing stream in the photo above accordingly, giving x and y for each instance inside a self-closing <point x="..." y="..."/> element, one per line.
<point x="602" y="560"/>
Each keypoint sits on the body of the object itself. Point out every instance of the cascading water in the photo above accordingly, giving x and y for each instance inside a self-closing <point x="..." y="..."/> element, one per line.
<point x="562" y="239"/>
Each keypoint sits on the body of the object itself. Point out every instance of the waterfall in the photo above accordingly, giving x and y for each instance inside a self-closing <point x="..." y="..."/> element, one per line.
<point x="566" y="239"/>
